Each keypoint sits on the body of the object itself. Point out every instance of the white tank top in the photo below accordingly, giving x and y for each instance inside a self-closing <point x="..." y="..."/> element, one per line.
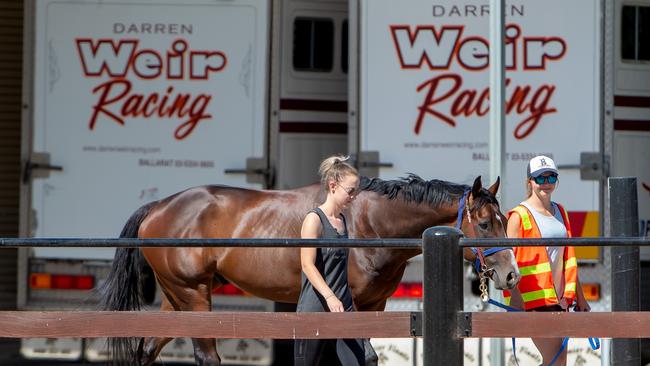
<point x="552" y="227"/>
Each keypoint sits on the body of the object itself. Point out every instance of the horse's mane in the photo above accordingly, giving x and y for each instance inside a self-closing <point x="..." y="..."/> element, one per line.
<point x="414" y="189"/>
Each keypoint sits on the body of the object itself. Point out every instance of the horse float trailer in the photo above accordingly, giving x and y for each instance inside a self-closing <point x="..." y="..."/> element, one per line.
<point x="126" y="103"/>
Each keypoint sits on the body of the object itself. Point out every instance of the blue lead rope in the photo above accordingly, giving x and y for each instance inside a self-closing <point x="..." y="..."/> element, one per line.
<point x="593" y="342"/>
<point x="503" y="306"/>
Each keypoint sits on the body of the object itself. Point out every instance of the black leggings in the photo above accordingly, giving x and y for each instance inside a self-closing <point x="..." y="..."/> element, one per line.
<point x="309" y="352"/>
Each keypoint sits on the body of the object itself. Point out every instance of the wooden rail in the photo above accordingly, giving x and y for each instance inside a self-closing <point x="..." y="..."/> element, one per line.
<point x="93" y="324"/>
<point x="622" y="324"/>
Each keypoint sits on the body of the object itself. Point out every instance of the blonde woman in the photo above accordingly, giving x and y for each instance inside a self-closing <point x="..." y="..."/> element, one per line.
<point x="325" y="270"/>
<point x="549" y="275"/>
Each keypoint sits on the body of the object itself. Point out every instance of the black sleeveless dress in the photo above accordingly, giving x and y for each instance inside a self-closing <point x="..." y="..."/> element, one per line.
<point x="332" y="263"/>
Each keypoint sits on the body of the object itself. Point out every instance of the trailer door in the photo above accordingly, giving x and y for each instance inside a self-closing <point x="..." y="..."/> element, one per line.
<point x="423" y="91"/>
<point x="134" y="102"/>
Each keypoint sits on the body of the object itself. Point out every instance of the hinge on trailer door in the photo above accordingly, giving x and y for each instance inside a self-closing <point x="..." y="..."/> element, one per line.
<point x="593" y="166"/>
<point x="368" y="164"/>
<point x="38" y="166"/>
<point x="256" y="171"/>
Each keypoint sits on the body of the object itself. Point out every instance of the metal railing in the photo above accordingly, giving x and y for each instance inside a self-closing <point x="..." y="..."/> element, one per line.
<point x="446" y="324"/>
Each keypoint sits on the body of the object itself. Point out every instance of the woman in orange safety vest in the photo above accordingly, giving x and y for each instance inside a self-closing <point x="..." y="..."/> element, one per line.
<point x="549" y="275"/>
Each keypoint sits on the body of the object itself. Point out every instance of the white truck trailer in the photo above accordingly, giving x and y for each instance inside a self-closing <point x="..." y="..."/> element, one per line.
<point x="130" y="102"/>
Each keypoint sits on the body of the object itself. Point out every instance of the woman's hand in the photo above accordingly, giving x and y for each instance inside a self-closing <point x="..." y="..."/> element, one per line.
<point x="581" y="305"/>
<point x="335" y="305"/>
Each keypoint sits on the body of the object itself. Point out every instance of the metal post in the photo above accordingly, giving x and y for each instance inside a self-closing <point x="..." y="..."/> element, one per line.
<point x="624" y="221"/>
<point x="443" y="296"/>
<point x="497" y="131"/>
<point x="497" y="91"/>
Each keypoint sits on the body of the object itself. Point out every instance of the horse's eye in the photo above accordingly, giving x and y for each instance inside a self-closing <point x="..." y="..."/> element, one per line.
<point x="483" y="225"/>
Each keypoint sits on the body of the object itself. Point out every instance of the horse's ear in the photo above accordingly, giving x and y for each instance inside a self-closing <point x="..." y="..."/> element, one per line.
<point x="494" y="188"/>
<point x="476" y="187"/>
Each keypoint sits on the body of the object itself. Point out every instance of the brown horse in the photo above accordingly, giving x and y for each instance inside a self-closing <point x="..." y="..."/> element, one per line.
<point x="383" y="209"/>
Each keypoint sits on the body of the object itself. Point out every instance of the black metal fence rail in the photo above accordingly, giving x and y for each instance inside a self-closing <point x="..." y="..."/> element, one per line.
<point x="312" y="243"/>
<point x="239" y="242"/>
<point x="550" y="242"/>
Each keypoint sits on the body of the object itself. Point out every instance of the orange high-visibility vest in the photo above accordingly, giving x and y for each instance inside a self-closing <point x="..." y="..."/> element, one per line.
<point x="536" y="285"/>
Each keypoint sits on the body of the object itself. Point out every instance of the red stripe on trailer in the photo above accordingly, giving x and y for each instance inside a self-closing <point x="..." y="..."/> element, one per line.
<point x="631" y="125"/>
<point x="628" y="101"/>
<point x="314" y="127"/>
<point x="314" y="105"/>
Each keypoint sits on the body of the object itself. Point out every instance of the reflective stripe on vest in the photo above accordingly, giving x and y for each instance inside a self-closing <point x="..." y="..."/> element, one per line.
<point x="525" y="218"/>
<point x="535" y="269"/>
<point x="570" y="263"/>
<point x="547" y="293"/>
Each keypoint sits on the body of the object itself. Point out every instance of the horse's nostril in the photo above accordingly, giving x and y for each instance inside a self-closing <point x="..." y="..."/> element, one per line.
<point x="512" y="279"/>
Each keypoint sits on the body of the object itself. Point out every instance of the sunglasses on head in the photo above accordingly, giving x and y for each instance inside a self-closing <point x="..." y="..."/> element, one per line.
<point x="552" y="179"/>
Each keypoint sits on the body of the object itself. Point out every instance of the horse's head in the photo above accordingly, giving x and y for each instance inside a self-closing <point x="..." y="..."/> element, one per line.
<point x="482" y="218"/>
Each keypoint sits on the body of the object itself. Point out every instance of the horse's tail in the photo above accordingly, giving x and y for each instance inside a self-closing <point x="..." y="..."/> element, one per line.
<point x="123" y="288"/>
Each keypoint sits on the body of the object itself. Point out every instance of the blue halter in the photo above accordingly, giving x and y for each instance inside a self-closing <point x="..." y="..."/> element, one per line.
<point x="459" y="224"/>
<point x="461" y="208"/>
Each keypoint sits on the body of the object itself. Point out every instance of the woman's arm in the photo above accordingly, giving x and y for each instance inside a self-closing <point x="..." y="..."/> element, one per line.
<point x="311" y="229"/>
<point x="514" y="231"/>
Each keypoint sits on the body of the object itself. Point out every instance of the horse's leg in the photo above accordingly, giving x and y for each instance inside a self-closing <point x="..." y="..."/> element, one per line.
<point x="186" y="280"/>
<point x="149" y="348"/>
<point x="186" y="299"/>
<point x="200" y="299"/>
<point x="205" y="352"/>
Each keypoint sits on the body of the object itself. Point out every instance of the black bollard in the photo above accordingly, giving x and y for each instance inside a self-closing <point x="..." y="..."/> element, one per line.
<point x="443" y="296"/>
<point x="624" y="221"/>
